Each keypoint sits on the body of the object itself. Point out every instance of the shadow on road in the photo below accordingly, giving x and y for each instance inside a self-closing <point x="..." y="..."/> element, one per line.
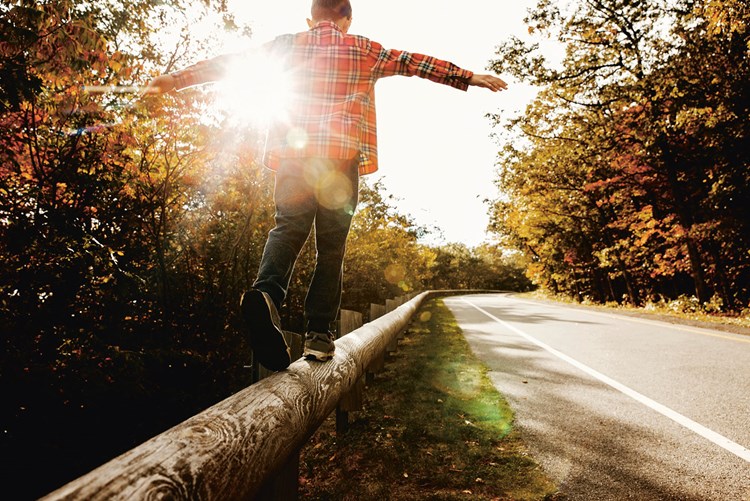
<point x="596" y="442"/>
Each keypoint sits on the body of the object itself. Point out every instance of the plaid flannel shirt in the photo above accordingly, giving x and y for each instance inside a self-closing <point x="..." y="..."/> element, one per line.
<point x="333" y="109"/>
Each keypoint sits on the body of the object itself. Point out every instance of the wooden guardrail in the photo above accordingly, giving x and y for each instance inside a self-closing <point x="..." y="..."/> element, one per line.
<point x="232" y="449"/>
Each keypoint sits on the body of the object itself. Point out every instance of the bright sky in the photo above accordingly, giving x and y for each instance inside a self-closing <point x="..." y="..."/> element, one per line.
<point x="435" y="151"/>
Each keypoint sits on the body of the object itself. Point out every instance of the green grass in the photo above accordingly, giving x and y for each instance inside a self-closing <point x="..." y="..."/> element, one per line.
<point x="433" y="427"/>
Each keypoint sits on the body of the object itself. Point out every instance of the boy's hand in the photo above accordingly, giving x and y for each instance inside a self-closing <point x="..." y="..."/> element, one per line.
<point x="488" y="82"/>
<point x="160" y="85"/>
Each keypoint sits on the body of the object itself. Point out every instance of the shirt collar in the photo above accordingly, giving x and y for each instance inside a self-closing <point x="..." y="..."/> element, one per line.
<point x="327" y="24"/>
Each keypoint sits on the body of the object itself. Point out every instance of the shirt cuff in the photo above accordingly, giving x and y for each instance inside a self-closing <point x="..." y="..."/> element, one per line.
<point x="460" y="80"/>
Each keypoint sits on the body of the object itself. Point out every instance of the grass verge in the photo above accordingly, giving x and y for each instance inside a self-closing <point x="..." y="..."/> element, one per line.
<point x="433" y="427"/>
<point x="685" y="311"/>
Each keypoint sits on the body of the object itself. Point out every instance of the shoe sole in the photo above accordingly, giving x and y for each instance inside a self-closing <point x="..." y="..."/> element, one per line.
<point x="320" y="356"/>
<point x="266" y="340"/>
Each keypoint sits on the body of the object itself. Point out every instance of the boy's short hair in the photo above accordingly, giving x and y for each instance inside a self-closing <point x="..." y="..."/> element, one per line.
<point x="331" y="9"/>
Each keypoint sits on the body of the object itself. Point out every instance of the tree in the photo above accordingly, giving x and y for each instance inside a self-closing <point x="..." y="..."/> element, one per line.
<point x="632" y="149"/>
<point x="104" y="237"/>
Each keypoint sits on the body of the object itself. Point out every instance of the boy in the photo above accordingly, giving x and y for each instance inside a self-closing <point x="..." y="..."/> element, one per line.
<point x="318" y="154"/>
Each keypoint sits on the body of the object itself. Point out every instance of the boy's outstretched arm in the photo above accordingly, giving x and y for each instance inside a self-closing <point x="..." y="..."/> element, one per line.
<point x="389" y="62"/>
<point x="203" y="72"/>
<point x="160" y="85"/>
<point x="488" y="82"/>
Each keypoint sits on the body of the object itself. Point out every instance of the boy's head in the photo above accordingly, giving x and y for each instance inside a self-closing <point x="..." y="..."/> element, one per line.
<point x="338" y="11"/>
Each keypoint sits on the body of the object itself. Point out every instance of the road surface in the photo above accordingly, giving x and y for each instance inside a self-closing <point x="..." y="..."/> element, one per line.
<point x="616" y="407"/>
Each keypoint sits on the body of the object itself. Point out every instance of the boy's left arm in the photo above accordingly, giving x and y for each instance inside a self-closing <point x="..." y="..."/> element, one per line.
<point x="396" y="62"/>
<point x="488" y="82"/>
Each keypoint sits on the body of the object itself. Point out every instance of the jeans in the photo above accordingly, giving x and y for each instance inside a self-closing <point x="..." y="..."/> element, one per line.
<point x="311" y="192"/>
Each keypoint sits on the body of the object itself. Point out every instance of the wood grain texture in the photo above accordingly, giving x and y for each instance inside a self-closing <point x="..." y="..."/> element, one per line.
<point x="230" y="449"/>
<point x="377" y="365"/>
<point x="391" y="305"/>
<point x="352" y="400"/>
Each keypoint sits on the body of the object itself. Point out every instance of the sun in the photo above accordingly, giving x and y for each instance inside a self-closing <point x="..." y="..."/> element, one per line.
<point x="256" y="91"/>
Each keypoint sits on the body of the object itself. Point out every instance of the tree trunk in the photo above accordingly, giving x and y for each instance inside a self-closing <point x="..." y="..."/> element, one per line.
<point x="685" y="218"/>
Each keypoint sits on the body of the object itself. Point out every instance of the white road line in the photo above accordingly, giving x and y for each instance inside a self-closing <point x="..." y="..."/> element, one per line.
<point x="678" y="418"/>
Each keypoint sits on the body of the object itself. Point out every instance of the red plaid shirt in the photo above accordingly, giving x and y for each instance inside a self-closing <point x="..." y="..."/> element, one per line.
<point x="333" y="112"/>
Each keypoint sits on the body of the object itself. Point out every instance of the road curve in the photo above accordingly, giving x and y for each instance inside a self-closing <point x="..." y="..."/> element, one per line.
<point x="616" y="407"/>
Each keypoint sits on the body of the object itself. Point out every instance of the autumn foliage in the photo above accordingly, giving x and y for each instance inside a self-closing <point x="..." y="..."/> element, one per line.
<point x="626" y="179"/>
<point x="129" y="229"/>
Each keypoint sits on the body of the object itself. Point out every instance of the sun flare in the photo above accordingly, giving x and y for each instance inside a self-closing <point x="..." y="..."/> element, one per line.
<point x="257" y="90"/>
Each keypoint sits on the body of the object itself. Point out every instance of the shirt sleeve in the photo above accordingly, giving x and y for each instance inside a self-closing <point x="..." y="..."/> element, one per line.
<point x="391" y="62"/>
<point x="210" y="70"/>
<point x="217" y="68"/>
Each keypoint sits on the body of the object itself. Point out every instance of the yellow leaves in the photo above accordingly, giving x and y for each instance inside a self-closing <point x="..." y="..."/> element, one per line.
<point x="724" y="17"/>
<point x="27" y="175"/>
<point x="115" y="65"/>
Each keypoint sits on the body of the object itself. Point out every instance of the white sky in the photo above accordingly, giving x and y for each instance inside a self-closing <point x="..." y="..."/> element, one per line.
<point x="435" y="151"/>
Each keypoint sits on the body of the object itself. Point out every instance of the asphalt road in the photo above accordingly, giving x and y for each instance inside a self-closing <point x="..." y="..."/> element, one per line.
<point x="615" y="407"/>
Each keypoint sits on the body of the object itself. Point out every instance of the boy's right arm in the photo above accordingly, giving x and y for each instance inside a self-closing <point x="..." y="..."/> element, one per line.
<point x="210" y="70"/>
<point x="160" y="85"/>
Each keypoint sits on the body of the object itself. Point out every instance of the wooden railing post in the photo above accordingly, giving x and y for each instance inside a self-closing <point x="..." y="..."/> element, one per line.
<point x="378" y="364"/>
<point x="351" y="401"/>
<point x="401" y="300"/>
<point x="390" y="305"/>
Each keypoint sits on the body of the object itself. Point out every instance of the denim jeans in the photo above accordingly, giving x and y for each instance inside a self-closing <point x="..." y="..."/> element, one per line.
<point x="319" y="193"/>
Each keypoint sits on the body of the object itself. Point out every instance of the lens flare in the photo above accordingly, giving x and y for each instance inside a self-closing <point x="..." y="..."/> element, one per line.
<point x="395" y="273"/>
<point x="297" y="138"/>
<point x="256" y="91"/>
<point x="335" y="191"/>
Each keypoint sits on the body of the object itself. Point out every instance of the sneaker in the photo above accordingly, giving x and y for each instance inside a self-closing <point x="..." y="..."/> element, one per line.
<point x="319" y="346"/>
<point x="264" y="330"/>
